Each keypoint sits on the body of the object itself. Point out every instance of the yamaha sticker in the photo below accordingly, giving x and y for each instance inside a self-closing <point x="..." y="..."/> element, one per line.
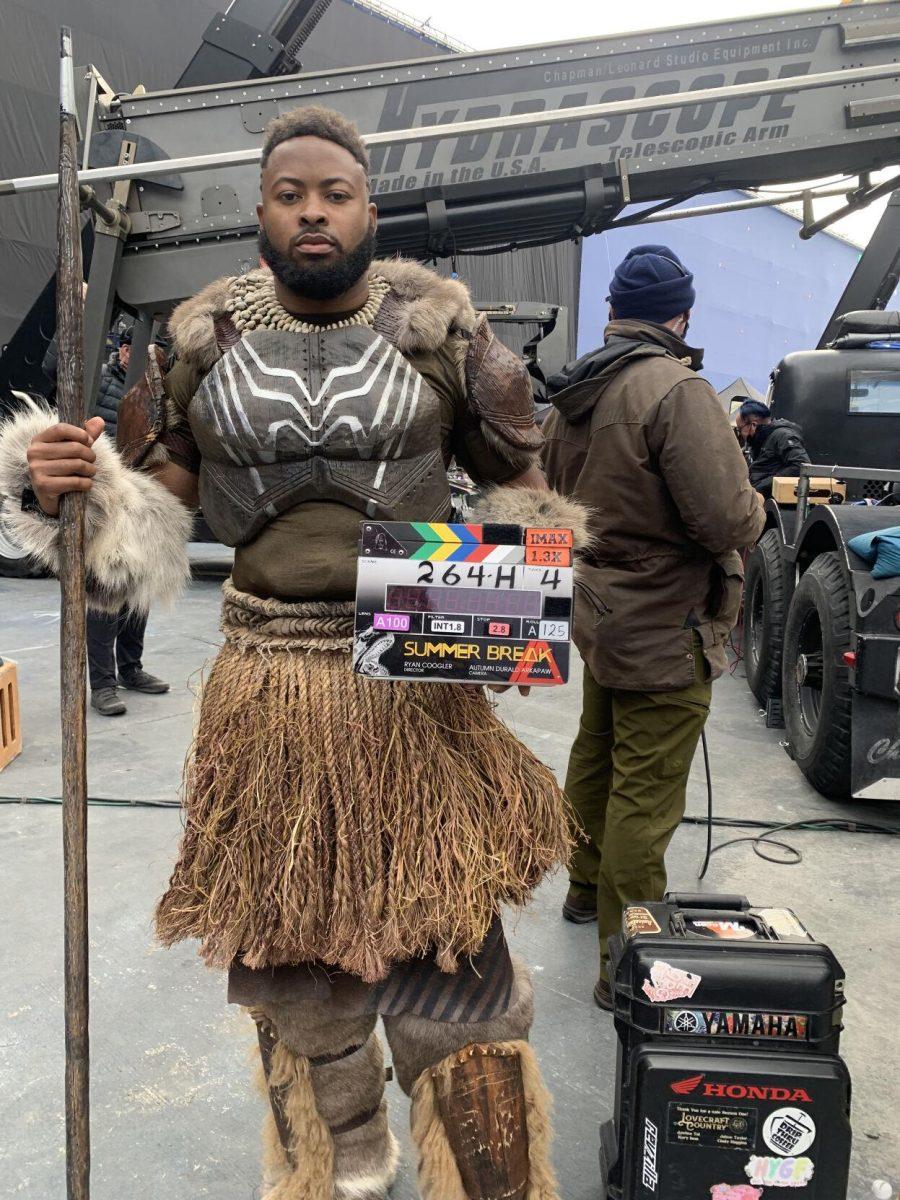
<point x="693" y="1022"/>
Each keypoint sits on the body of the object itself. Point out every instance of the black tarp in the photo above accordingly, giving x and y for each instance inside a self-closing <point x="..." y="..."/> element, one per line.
<point x="132" y="42"/>
<point x="546" y="274"/>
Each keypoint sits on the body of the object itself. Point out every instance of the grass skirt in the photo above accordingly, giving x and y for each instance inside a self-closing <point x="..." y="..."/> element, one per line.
<point x="337" y="818"/>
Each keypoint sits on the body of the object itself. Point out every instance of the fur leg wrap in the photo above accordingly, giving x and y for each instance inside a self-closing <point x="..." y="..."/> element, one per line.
<point x="304" y="1169"/>
<point x="136" y="531"/>
<point x="481" y="1123"/>
<point x="328" y="1134"/>
<point x="480" y="1112"/>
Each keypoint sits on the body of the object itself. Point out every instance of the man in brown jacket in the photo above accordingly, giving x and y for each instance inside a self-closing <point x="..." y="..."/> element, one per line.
<point x="638" y="436"/>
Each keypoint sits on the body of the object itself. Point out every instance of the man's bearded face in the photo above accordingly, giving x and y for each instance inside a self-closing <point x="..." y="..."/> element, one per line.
<point x="325" y="279"/>
<point x="317" y="227"/>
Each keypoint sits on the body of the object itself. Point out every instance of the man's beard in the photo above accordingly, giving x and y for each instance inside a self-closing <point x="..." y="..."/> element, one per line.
<point x="320" y="280"/>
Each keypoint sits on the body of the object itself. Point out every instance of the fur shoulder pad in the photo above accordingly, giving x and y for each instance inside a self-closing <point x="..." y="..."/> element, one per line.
<point x="427" y="308"/>
<point x="192" y="324"/>
<point x="430" y="307"/>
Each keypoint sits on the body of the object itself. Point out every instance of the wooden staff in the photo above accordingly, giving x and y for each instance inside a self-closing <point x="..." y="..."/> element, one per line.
<point x="70" y="401"/>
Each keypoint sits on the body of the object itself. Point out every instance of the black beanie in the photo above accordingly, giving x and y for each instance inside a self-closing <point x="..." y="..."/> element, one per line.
<point x="652" y="284"/>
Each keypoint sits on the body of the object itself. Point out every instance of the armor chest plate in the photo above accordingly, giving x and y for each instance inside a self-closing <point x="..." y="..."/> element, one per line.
<point x="339" y="415"/>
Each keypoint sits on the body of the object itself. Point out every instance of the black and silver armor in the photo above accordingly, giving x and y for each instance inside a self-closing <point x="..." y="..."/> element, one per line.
<point x="339" y="414"/>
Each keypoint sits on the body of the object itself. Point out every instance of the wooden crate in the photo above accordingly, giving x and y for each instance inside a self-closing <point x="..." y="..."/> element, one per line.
<point x="821" y="489"/>
<point x="10" y="722"/>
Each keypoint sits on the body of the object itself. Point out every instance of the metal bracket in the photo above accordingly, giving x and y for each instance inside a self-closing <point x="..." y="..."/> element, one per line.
<point x="94" y="95"/>
<point x="154" y="222"/>
<point x="626" y="182"/>
<point x="260" y="50"/>
<point x="855" y="34"/>
<point x="118" y="202"/>
<point x="861" y="197"/>
<point x="438" y="226"/>
<point x="597" y="197"/>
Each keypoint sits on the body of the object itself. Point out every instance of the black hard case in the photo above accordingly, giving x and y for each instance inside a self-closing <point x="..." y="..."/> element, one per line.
<point x="735" y="1079"/>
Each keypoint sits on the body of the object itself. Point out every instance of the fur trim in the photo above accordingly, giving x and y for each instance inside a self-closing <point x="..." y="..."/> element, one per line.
<point x="439" y="1177"/>
<point x="374" y="1184"/>
<point x="362" y="1162"/>
<point x="136" y="531"/>
<point x="534" y="507"/>
<point x="191" y="324"/>
<point x="431" y="307"/>
<point x="538" y="1107"/>
<point x="311" y="1143"/>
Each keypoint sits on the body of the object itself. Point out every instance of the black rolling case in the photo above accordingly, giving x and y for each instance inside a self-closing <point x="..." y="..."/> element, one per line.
<point x="728" y="1083"/>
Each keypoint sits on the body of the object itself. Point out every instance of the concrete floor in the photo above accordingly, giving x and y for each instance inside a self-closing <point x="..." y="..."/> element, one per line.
<point x="172" y="1113"/>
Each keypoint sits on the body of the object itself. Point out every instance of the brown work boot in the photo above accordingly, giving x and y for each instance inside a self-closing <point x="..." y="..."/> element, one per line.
<point x="580" y="906"/>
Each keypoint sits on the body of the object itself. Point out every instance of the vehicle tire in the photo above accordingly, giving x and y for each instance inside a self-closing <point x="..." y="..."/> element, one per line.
<point x="15" y="563"/>
<point x="815" y="685"/>
<point x="765" y="592"/>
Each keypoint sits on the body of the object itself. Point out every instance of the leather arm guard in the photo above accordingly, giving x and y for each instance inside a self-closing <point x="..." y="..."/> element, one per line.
<point x="498" y="388"/>
<point x="148" y="432"/>
<point x="143" y="415"/>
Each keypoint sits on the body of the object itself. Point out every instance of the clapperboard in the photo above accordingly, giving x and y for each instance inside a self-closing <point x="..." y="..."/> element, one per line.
<point x="463" y="603"/>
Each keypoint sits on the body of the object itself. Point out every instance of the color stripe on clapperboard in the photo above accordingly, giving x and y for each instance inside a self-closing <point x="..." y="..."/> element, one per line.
<point x="457" y="543"/>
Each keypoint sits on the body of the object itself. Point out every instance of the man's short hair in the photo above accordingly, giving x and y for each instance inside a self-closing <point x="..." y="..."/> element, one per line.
<point x="755" y="408"/>
<point x="315" y="121"/>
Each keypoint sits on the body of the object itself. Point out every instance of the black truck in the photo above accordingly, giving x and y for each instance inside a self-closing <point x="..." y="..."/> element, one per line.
<point x="821" y="635"/>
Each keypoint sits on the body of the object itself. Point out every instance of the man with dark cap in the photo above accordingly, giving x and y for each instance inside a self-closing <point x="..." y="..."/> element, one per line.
<point x="642" y="440"/>
<point x="774" y="447"/>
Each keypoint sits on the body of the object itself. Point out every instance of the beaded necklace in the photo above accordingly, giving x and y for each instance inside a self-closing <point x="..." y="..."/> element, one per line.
<point x="254" y="305"/>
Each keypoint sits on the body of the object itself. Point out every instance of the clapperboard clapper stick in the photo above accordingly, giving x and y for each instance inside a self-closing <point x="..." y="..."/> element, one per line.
<point x="70" y="403"/>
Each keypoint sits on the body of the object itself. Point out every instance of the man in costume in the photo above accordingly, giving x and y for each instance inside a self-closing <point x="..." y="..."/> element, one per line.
<point x="349" y="842"/>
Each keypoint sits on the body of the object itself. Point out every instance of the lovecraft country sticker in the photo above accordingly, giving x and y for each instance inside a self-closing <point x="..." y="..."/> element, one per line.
<point x="709" y="1125"/>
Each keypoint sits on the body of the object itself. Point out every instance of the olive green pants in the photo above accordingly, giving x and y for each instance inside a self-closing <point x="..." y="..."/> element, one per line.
<point x="627" y="782"/>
